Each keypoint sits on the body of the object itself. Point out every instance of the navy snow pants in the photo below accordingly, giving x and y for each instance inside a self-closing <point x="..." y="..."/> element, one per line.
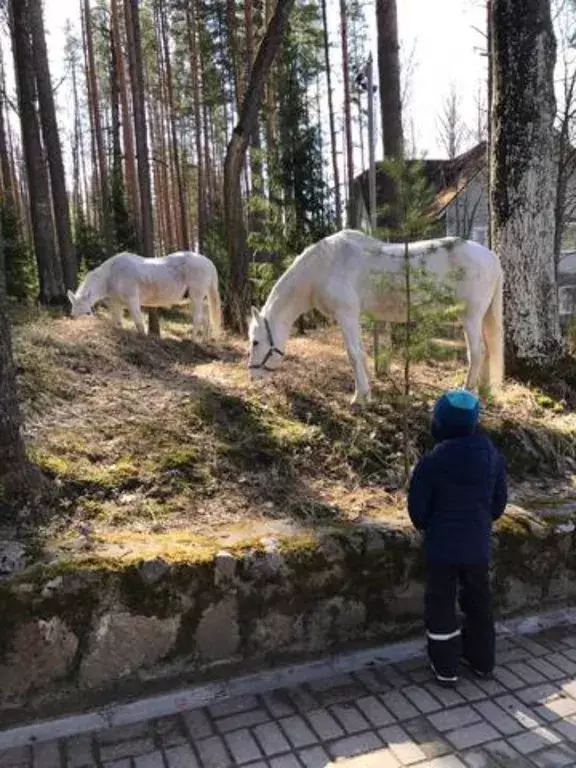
<point x="447" y="641"/>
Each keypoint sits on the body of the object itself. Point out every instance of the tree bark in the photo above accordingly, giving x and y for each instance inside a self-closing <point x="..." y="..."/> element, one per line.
<point x="183" y="239"/>
<point x="193" y="44"/>
<point x="129" y="154"/>
<point x="523" y="179"/>
<point x="256" y="169"/>
<point x="98" y="136"/>
<point x="12" y="450"/>
<point x="347" y="106"/>
<point x="137" y="77"/>
<point x="92" y="182"/>
<point x="6" y="175"/>
<point x="271" y="144"/>
<point x="389" y="72"/>
<point x="53" y="146"/>
<point x="20" y="481"/>
<point x="335" y="169"/>
<point x="238" y="296"/>
<point x="120" y="207"/>
<point x="49" y="268"/>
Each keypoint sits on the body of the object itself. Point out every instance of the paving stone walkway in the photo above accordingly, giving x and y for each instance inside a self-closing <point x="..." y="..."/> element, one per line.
<point x="379" y="717"/>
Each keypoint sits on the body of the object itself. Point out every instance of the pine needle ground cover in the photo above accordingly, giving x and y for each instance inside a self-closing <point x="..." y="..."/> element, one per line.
<point x="166" y="448"/>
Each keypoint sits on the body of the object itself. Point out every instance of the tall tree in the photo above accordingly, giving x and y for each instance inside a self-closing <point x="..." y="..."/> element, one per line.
<point x="523" y="179"/>
<point x="127" y="134"/>
<point x="238" y="295"/>
<point x="19" y="480"/>
<point x="132" y="13"/>
<point x="52" y="145"/>
<point x="256" y="167"/>
<point x="193" y="47"/>
<point x="49" y="267"/>
<point x="347" y="102"/>
<point x="94" y="97"/>
<point x="331" y="116"/>
<point x="389" y="72"/>
<point x="123" y="230"/>
<point x="183" y="239"/>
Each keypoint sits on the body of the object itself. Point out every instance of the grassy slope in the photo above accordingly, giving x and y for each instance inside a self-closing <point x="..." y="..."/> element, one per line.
<point x="164" y="447"/>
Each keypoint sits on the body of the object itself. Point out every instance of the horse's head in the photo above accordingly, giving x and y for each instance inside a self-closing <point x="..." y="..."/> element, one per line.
<point x="264" y="355"/>
<point x="80" y="304"/>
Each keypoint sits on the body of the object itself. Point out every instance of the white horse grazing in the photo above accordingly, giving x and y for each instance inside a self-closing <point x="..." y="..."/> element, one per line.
<point x="128" y="280"/>
<point x="339" y="277"/>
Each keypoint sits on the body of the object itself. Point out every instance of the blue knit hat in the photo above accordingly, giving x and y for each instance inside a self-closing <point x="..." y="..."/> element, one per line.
<point x="455" y="414"/>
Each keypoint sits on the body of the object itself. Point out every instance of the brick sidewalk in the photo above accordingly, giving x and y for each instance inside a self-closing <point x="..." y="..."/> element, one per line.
<point x="379" y="717"/>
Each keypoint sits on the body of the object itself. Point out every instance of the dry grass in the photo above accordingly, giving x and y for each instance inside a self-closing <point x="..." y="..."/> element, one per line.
<point x="161" y="440"/>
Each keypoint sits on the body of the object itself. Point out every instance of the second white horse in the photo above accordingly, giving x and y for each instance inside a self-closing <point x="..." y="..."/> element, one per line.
<point x="130" y="281"/>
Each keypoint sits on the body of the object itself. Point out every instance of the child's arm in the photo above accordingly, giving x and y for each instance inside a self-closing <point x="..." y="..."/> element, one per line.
<point x="420" y="494"/>
<point x="500" y="498"/>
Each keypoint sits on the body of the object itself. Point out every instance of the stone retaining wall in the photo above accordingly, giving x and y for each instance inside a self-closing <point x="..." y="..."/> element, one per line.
<point x="69" y="631"/>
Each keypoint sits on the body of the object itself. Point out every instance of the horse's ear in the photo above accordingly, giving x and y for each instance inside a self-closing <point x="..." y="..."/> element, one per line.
<point x="71" y="297"/>
<point x="255" y="314"/>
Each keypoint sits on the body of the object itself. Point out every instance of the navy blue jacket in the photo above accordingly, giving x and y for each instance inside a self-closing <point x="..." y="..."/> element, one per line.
<point x="456" y="492"/>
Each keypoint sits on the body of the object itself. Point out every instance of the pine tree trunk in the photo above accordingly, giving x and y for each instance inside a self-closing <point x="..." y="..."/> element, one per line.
<point x="193" y="44"/>
<point x="210" y="187"/>
<point x="19" y="480"/>
<point x="49" y="268"/>
<point x="271" y="148"/>
<point x="523" y="179"/>
<point x="335" y="169"/>
<point x="22" y="212"/>
<point x="12" y="450"/>
<point x="232" y="52"/>
<point x="164" y="162"/>
<point x="256" y="168"/>
<point x="183" y="238"/>
<point x="98" y="135"/>
<point x="53" y="147"/>
<point x="347" y="107"/>
<point x="117" y="189"/>
<point x="129" y="154"/>
<point x="92" y="181"/>
<point x="76" y="146"/>
<point x="389" y="72"/>
<point x="137" y="77"/>
<point x="6" y="176"/>
<point x="238" y="296"/>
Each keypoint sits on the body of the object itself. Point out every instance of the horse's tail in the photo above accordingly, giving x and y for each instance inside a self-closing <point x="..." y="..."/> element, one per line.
<point x="214" y="305"/>
<point x="493" y="328"/>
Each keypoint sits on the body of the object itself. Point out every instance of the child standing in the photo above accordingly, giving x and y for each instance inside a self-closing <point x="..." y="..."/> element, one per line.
<point x="456" y="492"/>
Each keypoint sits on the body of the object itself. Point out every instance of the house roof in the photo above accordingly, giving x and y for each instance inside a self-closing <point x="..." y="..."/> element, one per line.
<point x="448" y="178"/>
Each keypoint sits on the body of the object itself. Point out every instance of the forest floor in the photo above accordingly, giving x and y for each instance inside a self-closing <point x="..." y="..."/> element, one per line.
<point x="161" y="447"/>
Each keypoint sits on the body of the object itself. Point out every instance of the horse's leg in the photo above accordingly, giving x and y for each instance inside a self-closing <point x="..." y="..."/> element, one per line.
<point x="473" y="333"/>
<point x="135" y="311"/>
<point x="116" y="313"/>
<point x="198" y="319"/>
<point x="349" y="322"/>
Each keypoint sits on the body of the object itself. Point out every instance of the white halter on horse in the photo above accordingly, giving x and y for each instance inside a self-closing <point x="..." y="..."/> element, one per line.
<point x="128" y="280"/>
<point x="339" y="277"/>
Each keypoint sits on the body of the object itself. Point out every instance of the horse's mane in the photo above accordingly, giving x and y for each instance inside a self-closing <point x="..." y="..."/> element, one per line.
<point x="92" y="277"/>
<point x="97" y="275"/>
<point x="289" y="280"/>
